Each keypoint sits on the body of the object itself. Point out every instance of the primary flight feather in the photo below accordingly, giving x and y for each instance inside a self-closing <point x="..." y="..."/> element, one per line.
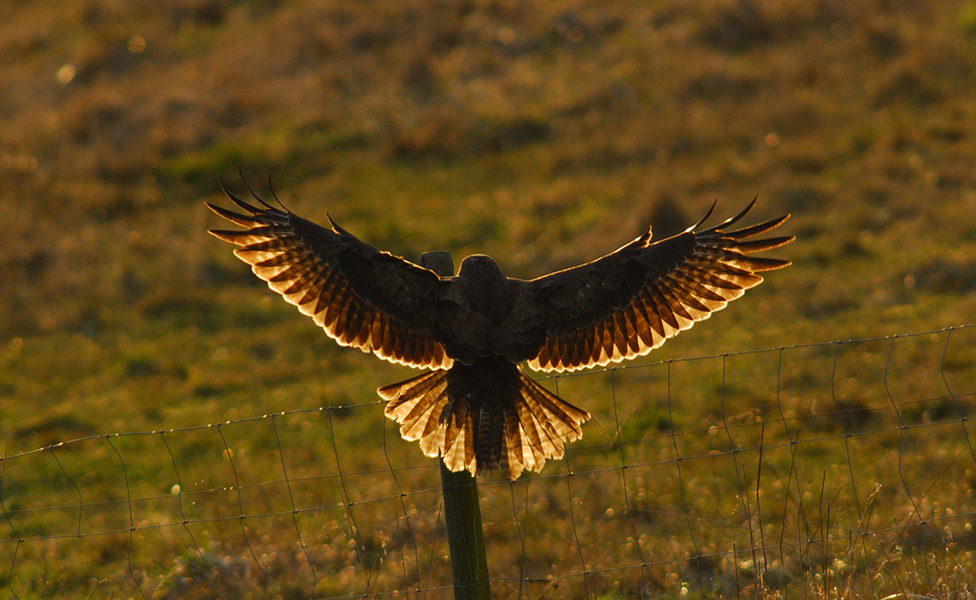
<point x="475" y="408"/>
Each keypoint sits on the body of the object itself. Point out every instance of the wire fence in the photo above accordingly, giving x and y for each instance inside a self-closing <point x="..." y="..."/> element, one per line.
<point x="832" y="470"/>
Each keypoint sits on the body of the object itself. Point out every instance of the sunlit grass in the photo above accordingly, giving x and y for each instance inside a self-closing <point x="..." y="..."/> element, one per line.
<point x="545" y="135"/>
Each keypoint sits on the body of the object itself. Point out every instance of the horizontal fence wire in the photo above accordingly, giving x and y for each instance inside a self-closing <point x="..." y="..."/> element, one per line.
<point x="836" y="469"/>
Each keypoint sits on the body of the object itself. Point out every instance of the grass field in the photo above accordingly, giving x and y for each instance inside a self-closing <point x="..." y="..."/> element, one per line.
<point x="544" y="134"/>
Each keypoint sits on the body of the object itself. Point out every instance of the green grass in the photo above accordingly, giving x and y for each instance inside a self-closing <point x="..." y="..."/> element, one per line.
<point x="544" y="134"/>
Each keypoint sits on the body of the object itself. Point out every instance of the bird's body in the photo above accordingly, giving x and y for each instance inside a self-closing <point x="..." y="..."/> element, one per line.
<point x="476" y="409"/>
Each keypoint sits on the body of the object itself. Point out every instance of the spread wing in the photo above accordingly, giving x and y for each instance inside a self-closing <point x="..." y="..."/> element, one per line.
<point x="630" y="301"/>
<point x="362" y="297"/>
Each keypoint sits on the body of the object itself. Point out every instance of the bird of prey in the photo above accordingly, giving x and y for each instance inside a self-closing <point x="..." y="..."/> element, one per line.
<point x="474" y="407"/>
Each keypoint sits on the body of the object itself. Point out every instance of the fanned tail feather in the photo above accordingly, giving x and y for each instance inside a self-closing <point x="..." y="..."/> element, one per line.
<point x="484" y="417"/>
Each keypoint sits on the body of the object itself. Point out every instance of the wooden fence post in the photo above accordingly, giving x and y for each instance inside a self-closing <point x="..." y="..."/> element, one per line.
<point x="462" y="511"/>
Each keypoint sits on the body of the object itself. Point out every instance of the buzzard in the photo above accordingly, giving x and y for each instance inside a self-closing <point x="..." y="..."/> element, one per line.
<point x="474" y="407"/>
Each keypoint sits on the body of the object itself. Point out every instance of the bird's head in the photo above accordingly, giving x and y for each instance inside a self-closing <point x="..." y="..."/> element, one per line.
<point x="484" y="284"/>
<point x="481" y="268"/>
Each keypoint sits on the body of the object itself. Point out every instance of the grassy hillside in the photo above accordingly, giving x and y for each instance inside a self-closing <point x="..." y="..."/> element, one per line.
<point x="541" y="133"/>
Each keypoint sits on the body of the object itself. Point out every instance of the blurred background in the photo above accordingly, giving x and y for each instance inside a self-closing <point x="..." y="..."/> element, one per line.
<point x="542" y="133"/>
